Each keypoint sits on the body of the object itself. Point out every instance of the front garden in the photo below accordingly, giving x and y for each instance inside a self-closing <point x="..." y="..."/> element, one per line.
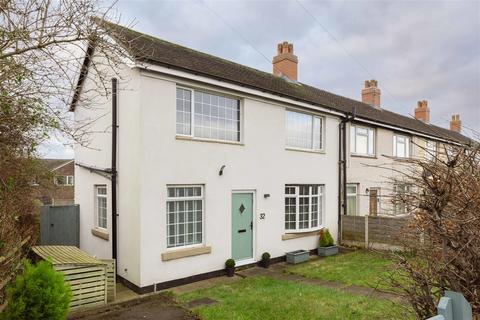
<point x="274" y="295"/>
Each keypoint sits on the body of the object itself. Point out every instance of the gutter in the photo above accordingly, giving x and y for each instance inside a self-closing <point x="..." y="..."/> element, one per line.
<point x="342" y="171"/>
<point x="113" y="169"/>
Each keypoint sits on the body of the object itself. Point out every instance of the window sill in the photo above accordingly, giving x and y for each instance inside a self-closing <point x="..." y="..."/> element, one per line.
<point x="101" y="233"/>
<point x="362" y="156"/>
<point x="305" y="150"/>
<point x="187" y="138"/>
<point x="183" y="253"/>
<point x="289" y="236"/>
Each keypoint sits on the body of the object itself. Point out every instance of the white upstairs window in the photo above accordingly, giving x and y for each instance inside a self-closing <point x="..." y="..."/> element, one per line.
<point x="304" y="131"/>
<point x="430" y="150"/>
<point x="362" y="141"/>
<point x="401" y="146"/>
<point x="207" y="116"/>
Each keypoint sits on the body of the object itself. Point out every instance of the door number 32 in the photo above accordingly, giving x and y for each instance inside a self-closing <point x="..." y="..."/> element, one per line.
<point x="262" y="216"/>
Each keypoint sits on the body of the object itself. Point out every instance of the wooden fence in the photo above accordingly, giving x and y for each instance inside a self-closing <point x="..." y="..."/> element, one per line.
<point x="379" y="232"/>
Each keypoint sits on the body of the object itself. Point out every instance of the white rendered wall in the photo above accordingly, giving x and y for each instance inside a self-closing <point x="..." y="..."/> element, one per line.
<point x="97" y="153"/>
<point x="261" y="164"/>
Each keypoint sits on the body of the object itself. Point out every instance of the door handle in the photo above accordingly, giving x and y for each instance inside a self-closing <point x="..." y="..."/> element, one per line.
<point x="251" y="225"/>
<point x="242" y="230"/>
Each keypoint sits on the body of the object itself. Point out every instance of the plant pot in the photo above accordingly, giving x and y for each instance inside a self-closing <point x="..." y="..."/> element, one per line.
<point x="265" y="263"/>
<point x="297" y="256"/>
<point x="230" y="272"/>
<point x="327" y="251"/>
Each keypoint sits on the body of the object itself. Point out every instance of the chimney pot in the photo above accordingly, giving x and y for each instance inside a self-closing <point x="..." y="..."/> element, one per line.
<point x="422" y="111"/>
<point x="456" y="123"/>
<point x="371" y="93"/>
<point x="285" y="63"/>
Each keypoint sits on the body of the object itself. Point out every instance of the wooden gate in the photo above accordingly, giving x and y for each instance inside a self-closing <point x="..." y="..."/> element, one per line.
<point x="60" y="225"/>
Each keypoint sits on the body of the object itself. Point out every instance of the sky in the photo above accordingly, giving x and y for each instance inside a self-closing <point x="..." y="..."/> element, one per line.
<point x="416" y="50"/>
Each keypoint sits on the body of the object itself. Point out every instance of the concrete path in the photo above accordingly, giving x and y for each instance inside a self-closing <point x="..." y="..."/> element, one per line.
<point x="278" y="271"/>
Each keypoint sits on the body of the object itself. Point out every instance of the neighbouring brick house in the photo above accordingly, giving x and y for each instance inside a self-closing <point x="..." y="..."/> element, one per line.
<point x="64" y="180"/>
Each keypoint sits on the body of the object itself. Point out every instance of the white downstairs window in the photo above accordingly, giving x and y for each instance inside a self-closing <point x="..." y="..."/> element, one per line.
<point x="304" y="206"/>
<point x="352" y="199"/>
<point x="362" y="141"/>
<point x="401" y="146"/>
<point x="207" y="116"/>
<point x="101" y="206"/>
<point x="304" y="131"/>
<point x="184" y="215"/>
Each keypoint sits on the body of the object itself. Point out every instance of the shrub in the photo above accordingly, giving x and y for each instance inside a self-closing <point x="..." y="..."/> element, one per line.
<point x="230" y="263"/>
<point x="326" y="239"/>
<point x="266" y="256"/>
<point x="38" y="293"/>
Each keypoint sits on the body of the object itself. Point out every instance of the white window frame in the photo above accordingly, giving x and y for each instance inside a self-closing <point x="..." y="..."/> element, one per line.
<point x="170" y="199"/>
<point x="406" y="189"/>
<point x="406" y="142"/>
<point x="320" y="207"/>
<point x="192" y="115"/>
<point x="430" y="150"/>
<point x="322" y="131"/>
<point x="353" y="195"/>
<point x="104" y="196"/>
<point x="353" y="140"/>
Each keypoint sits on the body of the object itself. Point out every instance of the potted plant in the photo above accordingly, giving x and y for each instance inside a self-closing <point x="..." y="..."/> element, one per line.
<point x="326" y="245"/>
<point x="265" y="260"/>
<point x="230" y="266"/>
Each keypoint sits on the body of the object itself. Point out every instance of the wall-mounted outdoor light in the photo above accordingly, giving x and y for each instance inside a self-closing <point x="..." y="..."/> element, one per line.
<point x="367" y="191"/>
<point x="266" y="195"/>
<point x="220" y="173"/>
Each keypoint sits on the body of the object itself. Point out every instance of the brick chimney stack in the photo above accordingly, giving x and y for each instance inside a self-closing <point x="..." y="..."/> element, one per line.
<point x="285" y="63"/>
<point x="456" y="123"/>
<point x="422" y="111"/>
<point x="371" y="93"/>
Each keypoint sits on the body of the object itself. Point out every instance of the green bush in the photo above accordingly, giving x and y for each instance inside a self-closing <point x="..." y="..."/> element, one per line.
<point x="38" y="293"/>
<point x="326" y="239"/>
<point x="230" y="263"/>
<point x="266" y="256"/>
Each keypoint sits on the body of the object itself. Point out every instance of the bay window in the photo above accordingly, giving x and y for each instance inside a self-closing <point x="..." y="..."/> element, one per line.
<point x="304" y="206"/>
<point x="362" y="141"/>
<point x="304" y="131"/>
<point x="184" y="215"/>
<point x="208" y="116"/>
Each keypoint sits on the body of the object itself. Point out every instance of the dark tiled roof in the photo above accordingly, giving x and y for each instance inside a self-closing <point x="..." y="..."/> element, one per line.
<point x="51" y="164"/>
<point x="149" y="49"/>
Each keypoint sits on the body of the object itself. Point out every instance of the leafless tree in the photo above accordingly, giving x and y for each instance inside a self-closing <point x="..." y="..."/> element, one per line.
<point x="43" y="44"/>
<point x="442" y="251"/>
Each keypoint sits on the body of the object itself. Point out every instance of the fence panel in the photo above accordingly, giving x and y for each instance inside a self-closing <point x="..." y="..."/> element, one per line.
<point x="60" y="225"/>
<point x="380" y="232"/>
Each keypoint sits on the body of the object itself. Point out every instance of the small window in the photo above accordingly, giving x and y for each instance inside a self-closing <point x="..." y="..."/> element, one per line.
<point x="101" y="206"/>
<point x="401" y="146"/>
<point x="352" y="199"/>
<point x="184" y="215"/>
<point x="401" y="192"/>
<point x="430" y="150"/>
<point x="362" y="140"/>
<point x="214" y="117"/>
<point x="303" y="207"/>
<point x="304" y="131"/>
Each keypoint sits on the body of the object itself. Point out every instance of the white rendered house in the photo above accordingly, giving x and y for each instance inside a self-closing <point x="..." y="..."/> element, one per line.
<point x="210" y="160"/>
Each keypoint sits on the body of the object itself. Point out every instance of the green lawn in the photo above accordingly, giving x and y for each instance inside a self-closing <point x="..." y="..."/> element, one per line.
<point x="266" y="298"/>
<point x="360" y="268"/>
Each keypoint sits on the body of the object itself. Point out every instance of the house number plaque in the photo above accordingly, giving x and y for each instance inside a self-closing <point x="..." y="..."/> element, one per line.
<point x="262" y="216"/>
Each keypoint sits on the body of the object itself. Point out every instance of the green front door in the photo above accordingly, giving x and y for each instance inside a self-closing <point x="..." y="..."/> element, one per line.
<point x="242" y="226"/>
